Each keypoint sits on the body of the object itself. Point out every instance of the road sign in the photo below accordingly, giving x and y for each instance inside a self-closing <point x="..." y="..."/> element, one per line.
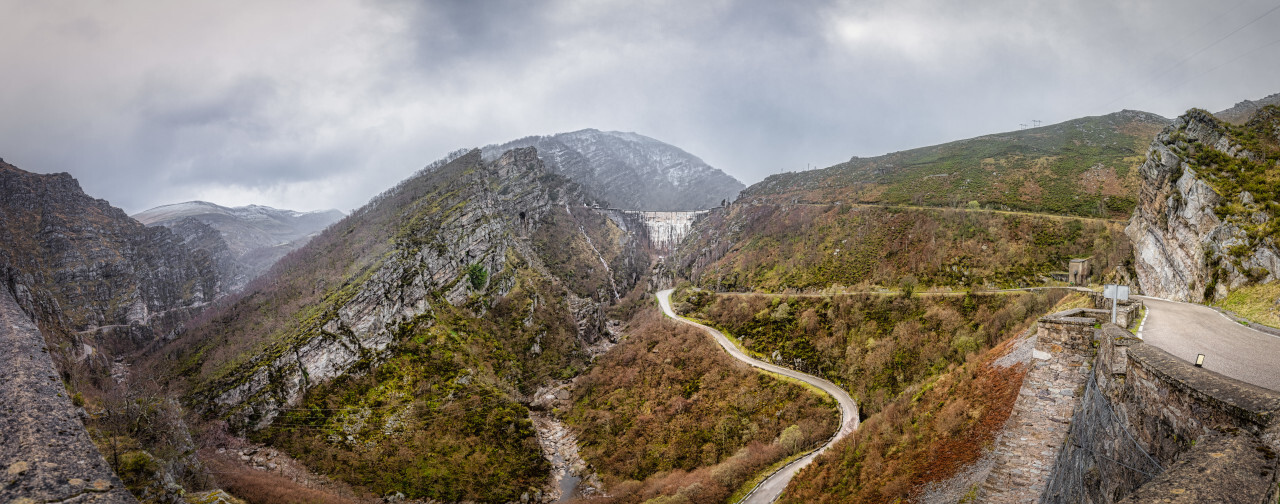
<point x="1117" y="292"/>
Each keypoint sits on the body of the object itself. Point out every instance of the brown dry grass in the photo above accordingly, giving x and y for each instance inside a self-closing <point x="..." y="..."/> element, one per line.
<point x="917" y="439"/>
<point x="261" y="487"/>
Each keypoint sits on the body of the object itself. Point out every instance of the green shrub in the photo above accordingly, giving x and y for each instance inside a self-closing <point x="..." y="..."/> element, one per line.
<point x="478" y="275"/>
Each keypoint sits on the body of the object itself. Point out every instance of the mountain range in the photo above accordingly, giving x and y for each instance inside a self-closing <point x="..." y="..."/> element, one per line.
<point x="485" y="331"/>
<point x="252" y="237"/>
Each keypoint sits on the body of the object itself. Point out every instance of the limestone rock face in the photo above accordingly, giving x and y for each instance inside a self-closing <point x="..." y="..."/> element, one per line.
<point x="631" y="171"/>
<point x="1179" y="239"/>
<point x="79" y="263"/>
<point x="464" y="241"/>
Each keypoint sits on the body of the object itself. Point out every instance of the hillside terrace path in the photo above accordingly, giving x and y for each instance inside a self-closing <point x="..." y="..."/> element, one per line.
<point x="1051" y="216"/>
<point x="1230" y="348"/>
<point x="771" y="488"/>
<point x="45" y="453"/>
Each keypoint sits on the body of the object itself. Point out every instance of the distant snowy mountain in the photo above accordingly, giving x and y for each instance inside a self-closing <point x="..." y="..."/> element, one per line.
<point x="630" y="171"/>
<point x="253" y="237"/>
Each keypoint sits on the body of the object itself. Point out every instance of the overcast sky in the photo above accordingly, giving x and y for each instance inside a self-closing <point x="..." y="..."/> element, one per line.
<point x="317" y="104"/>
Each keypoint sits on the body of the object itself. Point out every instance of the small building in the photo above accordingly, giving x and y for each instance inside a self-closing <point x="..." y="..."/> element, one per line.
<point x="1078" y="272"/>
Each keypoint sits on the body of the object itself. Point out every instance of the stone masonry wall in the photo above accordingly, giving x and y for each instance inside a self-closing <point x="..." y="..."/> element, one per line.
<point x="1037" y="426"/>
<point x="1153" y="428"/>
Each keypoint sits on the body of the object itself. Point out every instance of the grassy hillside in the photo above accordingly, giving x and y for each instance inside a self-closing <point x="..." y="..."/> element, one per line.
<point x="769" y="247"/>
<point x="669" y="415"/>
<point x="1080" y="167"/>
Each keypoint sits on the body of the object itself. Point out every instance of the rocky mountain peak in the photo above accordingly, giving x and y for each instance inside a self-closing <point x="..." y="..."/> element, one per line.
<point x="630" y="171"/>
<point x="1242" y="111"/>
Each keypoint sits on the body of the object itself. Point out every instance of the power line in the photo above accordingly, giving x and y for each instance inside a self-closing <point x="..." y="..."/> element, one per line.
<point x="1198" y="52"/>
<point x="1214" y="69"/>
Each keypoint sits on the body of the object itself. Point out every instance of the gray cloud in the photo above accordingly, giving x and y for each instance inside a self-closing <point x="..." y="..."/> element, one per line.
<point x="317" y="104"/>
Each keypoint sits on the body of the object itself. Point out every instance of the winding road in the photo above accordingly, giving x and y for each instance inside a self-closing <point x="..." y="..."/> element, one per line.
<point x="1230" y="348"/>
<point x="771" y="488"/>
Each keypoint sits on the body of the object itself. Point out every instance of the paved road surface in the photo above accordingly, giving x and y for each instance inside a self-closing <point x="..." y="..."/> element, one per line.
<point x="1230" y="348"/>
<point x="773" y="486"/>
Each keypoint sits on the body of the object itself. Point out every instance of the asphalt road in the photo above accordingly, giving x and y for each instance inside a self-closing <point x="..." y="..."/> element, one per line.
<point x="772" y="487"/>
<point x="1230" y="348"/>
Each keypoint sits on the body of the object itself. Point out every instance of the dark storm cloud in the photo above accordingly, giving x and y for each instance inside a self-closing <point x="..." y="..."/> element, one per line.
<point x="324" y="103"/>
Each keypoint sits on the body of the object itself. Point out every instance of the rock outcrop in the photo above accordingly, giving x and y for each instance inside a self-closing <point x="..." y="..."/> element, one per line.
<point x="630" y="171"/>
<point x="1191" y="241"/>
<point x="244" y="241"/>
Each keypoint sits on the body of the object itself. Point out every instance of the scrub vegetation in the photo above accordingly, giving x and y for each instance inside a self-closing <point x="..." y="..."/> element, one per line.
<point x="874" y="346"/>
<point x="668" y="415"/>
<point x="929" y="434"/>
<point x="772" y="248"/>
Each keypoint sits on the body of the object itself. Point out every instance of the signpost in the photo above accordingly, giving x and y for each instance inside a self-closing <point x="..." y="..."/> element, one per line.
<point x="1115" y="293"/>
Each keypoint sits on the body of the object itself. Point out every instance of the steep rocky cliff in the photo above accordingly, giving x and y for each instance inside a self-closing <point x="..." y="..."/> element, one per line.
<point x="630" y="171"/>
<point x="99" y="286"/>
<point x="246" y="240"/>
<point x="76" y="264"/>
<point x="414" y="330"/>
<point x="1205" y="221"/>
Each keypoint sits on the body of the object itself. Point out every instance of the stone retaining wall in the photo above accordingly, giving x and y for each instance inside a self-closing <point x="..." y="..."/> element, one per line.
<point x="1102" y="418"/>
<point x="1146" y="416"/>
<point x="1037" y="427"/>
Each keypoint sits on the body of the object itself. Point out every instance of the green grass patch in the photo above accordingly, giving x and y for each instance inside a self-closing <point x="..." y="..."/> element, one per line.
<point x="1255" y="303"/>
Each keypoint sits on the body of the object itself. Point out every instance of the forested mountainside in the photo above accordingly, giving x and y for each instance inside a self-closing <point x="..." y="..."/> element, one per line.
<point x="413" y="329"/>
<point x="631" y="171"/>
<point x="249" y="238"/>
<point x="1085" y="167"/>
<point x="1206" y="220"/>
